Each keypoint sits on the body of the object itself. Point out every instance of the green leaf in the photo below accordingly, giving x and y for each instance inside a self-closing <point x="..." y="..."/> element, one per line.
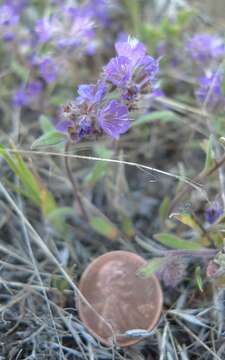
<point x="164" y="116"/>
<point x="50" y="138"/>
<point x="152" y="266"/>
<point x="198" y="278"/>
<point x="187" y="219"/>
<point x="32" y="185"/>
<point x="46" y="124"/>
<point x="100" y="169"/>
<point x="176" y="242"/>
<point x="164" y="209"/>
<point x="127" y="226"/>
<point x="209" y="155"/>
<point x="19" y="70"/>
<point x="104" y="227"/>
<point x="96" y="173"/>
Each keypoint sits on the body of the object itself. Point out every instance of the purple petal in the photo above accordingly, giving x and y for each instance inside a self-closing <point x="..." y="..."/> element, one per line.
<point x="64" y="125"/>
<point x="114" y="119"/>
<point x="118" y="70"/>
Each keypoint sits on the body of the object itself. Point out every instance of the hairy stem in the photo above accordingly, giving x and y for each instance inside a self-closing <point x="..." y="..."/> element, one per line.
<point x="74" y="183"/>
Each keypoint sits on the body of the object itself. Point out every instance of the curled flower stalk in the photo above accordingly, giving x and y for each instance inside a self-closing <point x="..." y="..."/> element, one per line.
<point x="106" y="107"/>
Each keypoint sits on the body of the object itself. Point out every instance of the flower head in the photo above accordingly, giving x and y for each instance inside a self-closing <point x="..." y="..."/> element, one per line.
<point x="113" y="119"/>
<point x="133" y="71"/>
<point x="204" y="47"/>
<point x="132" y="49"/>
<point x="8" y="15"/>
<point x="210" y="86"/>
<point x="213" y="212"/>
<point x="91" y="92"/>
<point x="118" y="71"/>
<point x="48" y="70"/>
<point x="44" y="29"/>
<point x="68" y="29"/>
<point x="20" y="98"/>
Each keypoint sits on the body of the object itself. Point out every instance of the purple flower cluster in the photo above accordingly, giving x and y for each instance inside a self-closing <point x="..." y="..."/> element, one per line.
<point x="210" y="86"/>
<point x="106" y="106"/>
<point x="205" y="47"/>
<point x="9" y="18"/>
<point x="69" y="28"/>
<point x="24" y="95"/>
<point x="207" y="50"/>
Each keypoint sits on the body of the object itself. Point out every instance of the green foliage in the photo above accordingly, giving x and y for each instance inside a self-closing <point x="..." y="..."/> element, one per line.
<point x="198" y="278"/>
<point x="176" y="242"/>
<point x="101" y="168"/>
<point x="152" y="267"/>
<point x="187" y="219"/>
<point x="104" y="227"/>
<point x="19" y="70"/>
<point x="163" y="116"/>
<point x="50" y="138"/>
<point x="46" y="124"/>
<point x="208" y="148"/>
<point x="33" y="188"/>
<point x="164" y="209"/>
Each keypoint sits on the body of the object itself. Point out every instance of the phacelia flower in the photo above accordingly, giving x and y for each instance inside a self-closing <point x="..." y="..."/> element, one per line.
<point x="93" y="93"/>
<point x="204" y="47"/>
<point x="23" y="96"/>
<point x="68" y="29"/>
<point x="114" y="119"/>
<point x="211" y="88"/>
<point x="133" y="71"/>
<point x="34" y="88"/>
<point x="20" y="98"/>
<point x="48" y="70"/>
<point x="105" y="107"/>
<point x="213" y="212"/>
<point x="118" y="71"/>
<point x="44" y="30"/>
<point x="8" y="16"/>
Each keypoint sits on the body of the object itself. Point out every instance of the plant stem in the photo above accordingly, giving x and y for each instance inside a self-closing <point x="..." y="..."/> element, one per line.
<point x="74" y="183"/>
<point x="206" y="253"/>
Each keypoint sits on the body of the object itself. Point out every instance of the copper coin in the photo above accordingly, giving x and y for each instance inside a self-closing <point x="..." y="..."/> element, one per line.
<point x="120" y="299"/>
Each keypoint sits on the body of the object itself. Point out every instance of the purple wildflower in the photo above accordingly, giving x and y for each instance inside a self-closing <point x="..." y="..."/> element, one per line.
<point x="23" y="95"/>
<point x="8" y="16"/>
<point x="85" y="127"/>
<point x="91" y="92"/>
<point x="204" y="47"/>
<point x="113" y="119"/>
<point x="213" y="212"/>
<point x="132" y="70"/>
<point x="64" y="126"/>
<point x="43" y="30"/>
<point x="20" y="98"/>
<point x="34" y="88"/>
<point x="48" y="70"/>
<point x="99" y="10"/>
<point x="118" y="71"/>
<point x="211" y="87"/>
<point x="132" y="49"/>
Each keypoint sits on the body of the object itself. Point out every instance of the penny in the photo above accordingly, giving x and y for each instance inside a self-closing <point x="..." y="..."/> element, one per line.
<point x="119" y="299"/>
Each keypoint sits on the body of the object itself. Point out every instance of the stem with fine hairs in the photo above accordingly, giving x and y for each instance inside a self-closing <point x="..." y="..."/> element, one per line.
<point x="74" y="183"/>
